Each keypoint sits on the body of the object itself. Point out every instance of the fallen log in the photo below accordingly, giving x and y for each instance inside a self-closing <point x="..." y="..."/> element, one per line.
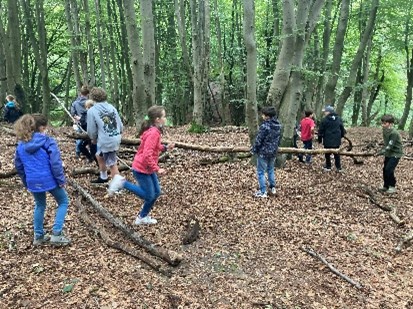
<point x="8" y="174"/>
<point x="169" y="256"/>
<point x="332" y="268"/>
<point x="117" y="245"/>
<point x="372" y="198"/>
<point x="95" y="171"/>
<point x="404" y="242"/>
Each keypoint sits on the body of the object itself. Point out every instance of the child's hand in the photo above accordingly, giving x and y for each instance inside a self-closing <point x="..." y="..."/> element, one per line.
<point x="171" y="146"/>
<point x="161" y="171"/>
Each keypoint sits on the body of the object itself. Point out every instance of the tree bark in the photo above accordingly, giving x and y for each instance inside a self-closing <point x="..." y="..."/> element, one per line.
<point x="90" y="46"/>
<point x="250" y="44"/>
<point x="99" y="35"/>
<point x="409" y="75"/>
<point x="349" y="85"/>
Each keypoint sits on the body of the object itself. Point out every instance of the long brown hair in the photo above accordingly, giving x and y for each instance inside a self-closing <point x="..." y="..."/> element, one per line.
<point x="154" y="112"/>
<point x="24" y="127"/>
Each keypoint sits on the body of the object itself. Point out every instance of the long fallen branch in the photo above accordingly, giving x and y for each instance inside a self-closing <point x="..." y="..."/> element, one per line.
<point x="404" y="242"/>
<point x="332" y="268"/>
<point x="169" y="256"/>
<point x="117" y="245"/>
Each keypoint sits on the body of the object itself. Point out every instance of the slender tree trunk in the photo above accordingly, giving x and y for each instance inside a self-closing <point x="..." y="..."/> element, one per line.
<point x="74" y="9"/>
<point x="330" y="90"/>
<point x="100" y="45"/>
<point x="368" y="31"/>
<point x="91" y="56"/>
<point x="365" y="90"/>
<point x="148" y="40"/>
<point x="73" y="44"/>
<point x="113" y="62"/>
<point x="3" y="63"/>
<point x="138" y="93"/>
<point x="250" y="44"/>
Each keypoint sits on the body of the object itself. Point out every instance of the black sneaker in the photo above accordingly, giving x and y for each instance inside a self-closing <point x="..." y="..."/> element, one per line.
<point x="100" y="180"/>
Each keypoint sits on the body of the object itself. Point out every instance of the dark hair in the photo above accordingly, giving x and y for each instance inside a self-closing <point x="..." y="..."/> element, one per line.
<point x="387" y="118"/>
<point x="84" y="90"/>
<point x="98" y="94"/>
<point x="268" y="111"/>
<point x="154" y="112"/>
<point x="40" y="120"/>
<point x="308" y="113"/>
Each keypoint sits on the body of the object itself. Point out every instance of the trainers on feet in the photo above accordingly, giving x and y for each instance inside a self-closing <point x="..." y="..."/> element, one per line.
<point x="99" y="180"/>
<point x="327" y="169"/>
<point x="391" y="190"/>
<point x="273" y="191"/>
<point x="116" y="184"/>
<point x="260" y="194"/>
<point x="383" y="189"/>
<point x="42" y="240"/>
<point x="145" y="220"/>
<point x="59" y="240"/>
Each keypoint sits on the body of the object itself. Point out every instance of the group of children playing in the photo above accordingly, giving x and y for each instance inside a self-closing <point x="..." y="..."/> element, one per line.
<point x="39" y="165"/>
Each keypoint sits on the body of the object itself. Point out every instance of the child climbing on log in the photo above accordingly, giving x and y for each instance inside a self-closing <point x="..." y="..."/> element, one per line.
<point x="392" y="151"/>
<point x="266" y="147"/>
<point x="145" y="166"/>
<point x="38" y="163"/>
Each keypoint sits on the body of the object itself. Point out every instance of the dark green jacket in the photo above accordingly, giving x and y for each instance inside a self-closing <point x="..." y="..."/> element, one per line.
<point x="392" y="143"/>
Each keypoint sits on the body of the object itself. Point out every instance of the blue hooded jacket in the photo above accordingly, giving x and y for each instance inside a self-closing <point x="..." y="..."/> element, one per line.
<point x="38" y="163"/>
<point x="268" y="138"/>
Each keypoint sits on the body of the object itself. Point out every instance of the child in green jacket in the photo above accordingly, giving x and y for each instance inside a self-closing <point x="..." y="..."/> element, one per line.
<point x="392" y="151"/>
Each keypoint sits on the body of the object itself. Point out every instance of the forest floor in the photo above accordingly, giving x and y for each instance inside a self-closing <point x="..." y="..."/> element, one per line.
<point x="249" y="252"/>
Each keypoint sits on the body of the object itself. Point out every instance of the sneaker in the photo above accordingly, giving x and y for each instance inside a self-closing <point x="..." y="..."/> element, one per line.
<point x="116" y="184"/>
<point x="340" y="170"/>
<point x="99" y="180"/>
<point x="391" y="190"/>
<point x="260" y="194"/>
<point x="145" y="220"/>
<point x="273" y="191"/>
<point x="327" y="169"/>
<point x="383" y="189"/>
<point x="59" y="240"/>
<point x="42" y="240"/>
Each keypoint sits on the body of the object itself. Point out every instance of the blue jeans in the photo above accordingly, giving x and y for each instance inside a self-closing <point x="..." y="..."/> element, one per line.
<point x="149" y="190"/>
<point x="265" y="165"/>
<point x="62" y="201"/>
<point x="308" y="145"/>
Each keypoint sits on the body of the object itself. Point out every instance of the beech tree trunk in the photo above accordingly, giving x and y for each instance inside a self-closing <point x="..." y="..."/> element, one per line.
<point x="92" y="70"/>
<point x="250" y="44"/>
<point x="409" y="75"/>
<point x="102" y="59"/>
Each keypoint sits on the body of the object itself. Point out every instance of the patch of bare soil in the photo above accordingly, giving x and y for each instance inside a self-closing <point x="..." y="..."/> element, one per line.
<point x="249" y="251"/>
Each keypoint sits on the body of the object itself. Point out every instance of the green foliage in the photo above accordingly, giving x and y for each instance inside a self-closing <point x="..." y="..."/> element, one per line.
<point x="197" y="128"/>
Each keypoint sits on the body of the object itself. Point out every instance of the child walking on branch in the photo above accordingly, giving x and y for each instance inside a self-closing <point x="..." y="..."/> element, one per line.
<point x="38" y="163"/>
<point x="145" y="166"/>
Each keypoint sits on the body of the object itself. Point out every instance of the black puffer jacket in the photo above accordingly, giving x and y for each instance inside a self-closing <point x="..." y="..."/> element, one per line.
<point x="331" y="131"/>
<point x="268" y="138"/>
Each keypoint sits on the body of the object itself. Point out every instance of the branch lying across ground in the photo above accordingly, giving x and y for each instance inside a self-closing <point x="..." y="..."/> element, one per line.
<point x="117" y="245"/>
<point x="169" y="256"/>
<point x="334" y="270"/>
<point x="404" y="242"/>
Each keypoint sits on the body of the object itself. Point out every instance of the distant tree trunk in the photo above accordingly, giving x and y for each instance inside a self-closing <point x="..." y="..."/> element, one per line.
<point x="357" y="96"/>
<point x="330" y="90"/>
<point x="200" y="52"/>
<point x="325" y="53"/>
<point x="148" y="42"/>
<point x="73" y="44"/>
<point x="100" y="45"/>
<point x="138" y="93"/>
<point x="349" y="84"/>
<point x="365" y="89"/>
<point x="250" y="44"/>
<point x="375" y="88"/>
<point x="113" y="62"/>
<point x="3" y="45"/>
<point x="91" y="56"/>
<point x="409" y="74"/>
<point x="74" y="10"/>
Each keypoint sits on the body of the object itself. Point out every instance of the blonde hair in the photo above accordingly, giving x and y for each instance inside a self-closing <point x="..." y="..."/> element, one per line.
<point x="89" y="103"/>
<point x="24" y="128"/>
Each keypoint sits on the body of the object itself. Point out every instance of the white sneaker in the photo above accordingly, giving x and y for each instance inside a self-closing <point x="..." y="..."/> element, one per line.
<point x="116" y="184"/>
<point x="273" y="191"/>
<point x="145" y="220"/>
<point x="260" y="194"/>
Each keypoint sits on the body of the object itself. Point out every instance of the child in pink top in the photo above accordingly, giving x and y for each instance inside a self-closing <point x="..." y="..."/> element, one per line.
<point x="307" y="133"/>
<point x="145" y="165"/>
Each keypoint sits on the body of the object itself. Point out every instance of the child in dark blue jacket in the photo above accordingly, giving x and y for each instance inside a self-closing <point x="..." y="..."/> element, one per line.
<point x="266" y="147"/>
<point x="11" y="111"/>
<point x="38" y="163"/>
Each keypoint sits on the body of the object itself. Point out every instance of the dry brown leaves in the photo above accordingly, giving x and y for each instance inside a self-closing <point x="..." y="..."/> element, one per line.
<point x="248" y="254"/>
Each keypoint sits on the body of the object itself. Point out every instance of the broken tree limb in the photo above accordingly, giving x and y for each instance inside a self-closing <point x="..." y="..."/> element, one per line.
<point x="9" y="174"/>
<point x="372" y="198"/>
<point x="169" y="256"/>
<point x="95" y="171"/>
<point x="343" y="152"/>
<point x="394" y="216"/>
<point x="404" y="242"/>
<point x="117" y="245"/>
<point x="332" y="268"/>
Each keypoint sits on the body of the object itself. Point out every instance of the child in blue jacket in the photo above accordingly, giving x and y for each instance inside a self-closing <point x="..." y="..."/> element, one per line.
<point x="38" y="163"/>
<point x="266" y="147"/>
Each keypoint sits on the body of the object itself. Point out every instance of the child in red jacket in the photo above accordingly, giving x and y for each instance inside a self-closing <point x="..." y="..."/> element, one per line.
<point x="145" y="165"/>
<point x="307" y="133"/>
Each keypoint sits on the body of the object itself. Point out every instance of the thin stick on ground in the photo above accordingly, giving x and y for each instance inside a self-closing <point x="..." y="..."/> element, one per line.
<point x="117" y="245"/>
<point x="169" y="256"/>
<point x="332" y="268"/>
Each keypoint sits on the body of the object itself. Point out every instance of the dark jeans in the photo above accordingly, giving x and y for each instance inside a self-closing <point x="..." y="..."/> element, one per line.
<point x="337" y="161"/>
<point x="307" y="145"/>
<point x="389" y="166"/>
<point x="90" y="155"/>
